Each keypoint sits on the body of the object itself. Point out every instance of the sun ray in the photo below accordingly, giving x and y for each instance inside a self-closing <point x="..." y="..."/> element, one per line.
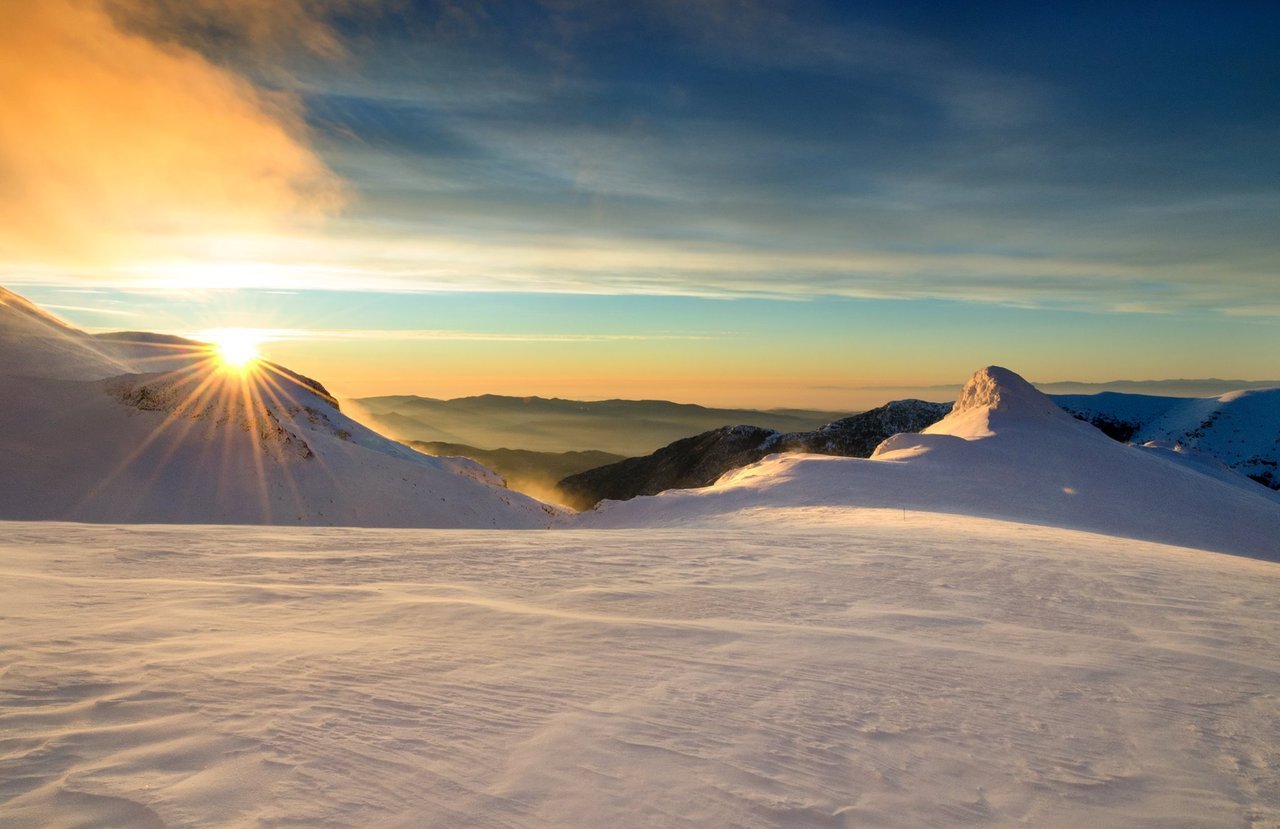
<point x="174" y="418"/>
<point x="226" y="388"/>
<point x="277" y="378"/>
<point x="251" y="400"/>
<point x="269" y="388"/>
<point x="272" y="384"/>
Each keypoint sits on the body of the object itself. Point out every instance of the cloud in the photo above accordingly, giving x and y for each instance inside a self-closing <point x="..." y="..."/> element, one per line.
<point x="437" y="335"/>
<point x="766" y="149"/>
<point x="389" y="260"/>
<point x="114" y="135"/>
<point x="114" y="312"/>
<point x="237" y="25"/>
<point x="819" y="151"/>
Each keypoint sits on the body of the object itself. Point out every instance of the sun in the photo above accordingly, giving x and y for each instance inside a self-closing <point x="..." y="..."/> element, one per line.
<point x="236" y="349"/>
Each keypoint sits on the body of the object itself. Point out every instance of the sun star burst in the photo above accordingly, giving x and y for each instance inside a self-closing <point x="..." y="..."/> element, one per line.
<point x="235" y="349"/>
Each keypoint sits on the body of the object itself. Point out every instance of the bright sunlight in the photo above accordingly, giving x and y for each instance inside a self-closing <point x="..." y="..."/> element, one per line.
<point x="236" y="348"/>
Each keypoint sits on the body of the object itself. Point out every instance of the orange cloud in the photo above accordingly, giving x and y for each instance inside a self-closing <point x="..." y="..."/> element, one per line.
<point x="264" y="25"/>
<point x="111" y="136"/>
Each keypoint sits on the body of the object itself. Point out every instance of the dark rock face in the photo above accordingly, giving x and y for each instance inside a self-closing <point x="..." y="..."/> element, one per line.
<point x="686" y="464"/>
<point x="859" y="435"/>
<point x="1111" y="426"/>
<point x="700" y="460"/>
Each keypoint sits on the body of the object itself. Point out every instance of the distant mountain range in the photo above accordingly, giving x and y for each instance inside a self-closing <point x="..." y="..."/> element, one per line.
<point x="619" y="427"/>
<point x="1239" y="430"/>
<point x="1186" y="387"/>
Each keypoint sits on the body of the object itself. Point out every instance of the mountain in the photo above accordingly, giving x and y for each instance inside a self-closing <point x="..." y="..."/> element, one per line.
<point x="1240" y="428"/>
<point x="1185" y="387"/>
<point x="533" y="473"/>
<point x="88" y="433"/>
<point x="700" y="460"/>
<point x="619" y="427"/>
<point x="1199" y="387"/>
<point x="1006" y="451"/>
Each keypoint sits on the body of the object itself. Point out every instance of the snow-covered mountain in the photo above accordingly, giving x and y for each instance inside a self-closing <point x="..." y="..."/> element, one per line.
<point x="1005" y="451"/>
<point x="148" y="428"/>
<point x="1240" y="429"/>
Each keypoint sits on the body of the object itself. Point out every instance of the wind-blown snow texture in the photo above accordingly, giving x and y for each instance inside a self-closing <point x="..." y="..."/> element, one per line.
<point x="1005" y="451"/>
<point x="865" y="671"/>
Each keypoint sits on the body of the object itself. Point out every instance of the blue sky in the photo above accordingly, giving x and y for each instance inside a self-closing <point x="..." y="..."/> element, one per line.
<point x="1081" y="191"/>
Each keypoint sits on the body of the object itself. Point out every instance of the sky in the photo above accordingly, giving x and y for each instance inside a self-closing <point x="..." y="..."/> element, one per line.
<point x="717" y="201"/>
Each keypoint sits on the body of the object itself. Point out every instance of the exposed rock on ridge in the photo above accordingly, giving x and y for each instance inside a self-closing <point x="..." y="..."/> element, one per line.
<point x="700" y="460"/>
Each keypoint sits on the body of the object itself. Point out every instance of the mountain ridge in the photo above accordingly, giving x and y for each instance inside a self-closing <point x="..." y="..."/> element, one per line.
<point x="89" y="435"/>
<point x="1240" y="428"/>
<point x="700" y="460"/>
<point x="617" y="426"/>
<point x="1012" y="458"/>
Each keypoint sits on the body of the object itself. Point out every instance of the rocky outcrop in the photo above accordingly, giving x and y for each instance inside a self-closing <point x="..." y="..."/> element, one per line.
<point x="700" y="460"/>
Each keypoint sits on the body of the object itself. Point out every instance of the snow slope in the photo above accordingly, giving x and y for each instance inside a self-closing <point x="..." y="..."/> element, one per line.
<point x="1241" y="428"/>
<point x="83" y="440"/>
<point x="33" y="342"/>
<point x="941" y="671"/>
<point x="1005" y="451"/>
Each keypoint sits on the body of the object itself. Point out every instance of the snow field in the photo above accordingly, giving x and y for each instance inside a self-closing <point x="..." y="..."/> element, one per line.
<point x="874" y="670"/>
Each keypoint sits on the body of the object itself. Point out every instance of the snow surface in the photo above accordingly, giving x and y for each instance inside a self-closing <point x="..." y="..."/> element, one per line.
<point x="1005" y="451"/>
<point x="74" y="450"/>
<point x="1240" y="429"/>
<point x="863" y="670"/>
<point x="1136" y="409"/>
<point x="34" y="342"/>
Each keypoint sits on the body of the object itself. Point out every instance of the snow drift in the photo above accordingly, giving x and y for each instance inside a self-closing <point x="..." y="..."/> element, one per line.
<point x="955" y="672"/>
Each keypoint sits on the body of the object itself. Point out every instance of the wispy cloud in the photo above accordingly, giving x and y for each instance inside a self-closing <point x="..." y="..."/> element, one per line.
<point x="768" y="149"/>
<point x="786" y="134"/>
<point x="410" y="335"/>
<point x="378" y="261"/>
<point x="113" y="312"/>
